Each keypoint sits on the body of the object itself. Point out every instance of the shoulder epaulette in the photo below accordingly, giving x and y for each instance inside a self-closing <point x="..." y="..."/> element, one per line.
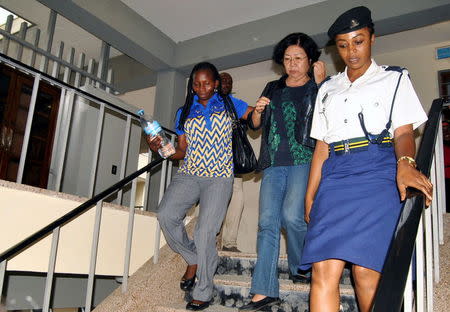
<point x="395" y="68"/>
<point x="325" y="80"/>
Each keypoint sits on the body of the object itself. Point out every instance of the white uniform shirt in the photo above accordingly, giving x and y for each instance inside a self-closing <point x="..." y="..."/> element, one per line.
<point x="339" y="101"/>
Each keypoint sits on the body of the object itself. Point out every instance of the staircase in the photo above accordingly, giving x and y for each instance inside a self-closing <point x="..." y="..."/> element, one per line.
<point x="233" y="282"/>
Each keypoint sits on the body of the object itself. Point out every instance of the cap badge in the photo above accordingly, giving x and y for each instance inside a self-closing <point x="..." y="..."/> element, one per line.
<point x="354" y="23"/>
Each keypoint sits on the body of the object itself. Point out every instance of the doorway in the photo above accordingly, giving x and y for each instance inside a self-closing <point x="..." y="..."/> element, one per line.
<point x="15" y="96"/>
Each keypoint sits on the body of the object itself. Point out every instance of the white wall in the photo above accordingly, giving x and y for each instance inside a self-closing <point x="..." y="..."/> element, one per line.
<point x="143" y="98"/>
<point x="24" y="212"/>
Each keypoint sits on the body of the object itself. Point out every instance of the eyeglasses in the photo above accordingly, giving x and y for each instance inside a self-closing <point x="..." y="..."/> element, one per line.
<point x="295" y="59"/>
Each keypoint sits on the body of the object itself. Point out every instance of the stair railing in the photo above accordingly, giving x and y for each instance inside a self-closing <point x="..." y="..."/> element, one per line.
<point x="55" y="226"/>
<point x="68" y="93"/>
<point x="414" y="250"/>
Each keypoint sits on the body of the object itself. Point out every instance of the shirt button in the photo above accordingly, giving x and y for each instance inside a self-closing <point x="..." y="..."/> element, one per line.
<point x="345" y="100"/>
<point x="345" y="120"/>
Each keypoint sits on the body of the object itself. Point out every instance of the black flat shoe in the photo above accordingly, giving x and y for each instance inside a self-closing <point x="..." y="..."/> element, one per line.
<point x="187" y="284"/>
<point x="197" y="305"/>
<point x="258" y="305"/>
<point x="300" y="278"/>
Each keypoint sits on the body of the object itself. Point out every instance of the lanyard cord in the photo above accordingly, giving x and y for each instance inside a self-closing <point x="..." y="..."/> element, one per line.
<point x="377" y="139"/>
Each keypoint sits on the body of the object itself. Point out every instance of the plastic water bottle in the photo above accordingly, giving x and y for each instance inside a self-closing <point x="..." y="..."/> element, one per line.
<point x="153" y="129"/>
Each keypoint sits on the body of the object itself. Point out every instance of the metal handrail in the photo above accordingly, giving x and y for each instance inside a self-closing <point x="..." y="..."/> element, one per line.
<point x="389" y="296"/>
<point x="62" y="84"/>
<point x="32" y="239"/>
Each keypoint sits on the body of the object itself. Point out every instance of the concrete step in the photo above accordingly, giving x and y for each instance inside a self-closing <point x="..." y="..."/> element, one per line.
<point x="235" y="263"/>
<point x="182" y="308"/>
<point x="233" y="291"/>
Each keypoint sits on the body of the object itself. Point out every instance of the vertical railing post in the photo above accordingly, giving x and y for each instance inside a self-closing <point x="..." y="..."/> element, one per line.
<point x="123" y="164"/>
<point x="80" y="65"/>
<point x="170" y="166"/>
<point x="2" y="275"/>
<point x="6" y="40"/>
<point x="37" y="35"/>
<point x="420" y="290"/>
<point x="50" y="32"/>
<point x="429" y="259"/>
<point x="109" y="80"/>
<point x="64" y="109"/>
<point x="158" y="227"/>
<point x="22" y="35"/>
<point x="67" y="70"/>
<point x="68" y="104"/>
<point x="53" y="172"/>
<point x="93" y="262"/>
<point x="440" y="177"/>
<point x="90" y="70"/>
<point x="103" y="63"/>
<point x="26" y="137"/>
<point x="435" y="222"/>
<point x="126" y="267"/>
<point x="147" y="181"/>
<point x="408" y="295"/>
<point x="51" y="271"/>
<point x="101" y="115"/>
<point x="56" y="65"/>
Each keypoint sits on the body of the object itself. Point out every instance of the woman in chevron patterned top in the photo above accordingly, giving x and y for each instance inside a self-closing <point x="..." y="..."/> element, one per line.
<point x="204" y="133"/>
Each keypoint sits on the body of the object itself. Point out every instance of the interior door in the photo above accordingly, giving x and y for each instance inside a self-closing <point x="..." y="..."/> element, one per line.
<point x="15" y="97"/>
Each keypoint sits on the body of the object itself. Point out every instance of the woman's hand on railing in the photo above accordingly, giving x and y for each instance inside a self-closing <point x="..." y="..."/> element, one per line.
<point x="408" y="176"/>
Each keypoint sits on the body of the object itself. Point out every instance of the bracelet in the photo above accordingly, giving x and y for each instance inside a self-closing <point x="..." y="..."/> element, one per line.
<point x="410" y="160"/>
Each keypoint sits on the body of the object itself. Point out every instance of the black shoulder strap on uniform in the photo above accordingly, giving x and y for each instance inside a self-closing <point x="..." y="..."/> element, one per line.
<point x="325" y="80"/>
<point x="395" y="68"/>
<point x="388" y="125"/>
<point x="377" y="139"/>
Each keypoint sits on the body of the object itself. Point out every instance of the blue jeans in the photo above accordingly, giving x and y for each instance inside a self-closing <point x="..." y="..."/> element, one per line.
<point x="281" y="205"/>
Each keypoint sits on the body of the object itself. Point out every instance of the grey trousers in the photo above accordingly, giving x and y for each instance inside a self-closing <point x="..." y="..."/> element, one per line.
<point x="230" y="228"/>
<point x="183" y="192"/>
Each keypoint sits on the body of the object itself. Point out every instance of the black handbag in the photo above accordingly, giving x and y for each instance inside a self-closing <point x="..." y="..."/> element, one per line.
<point x="244" y="159"/>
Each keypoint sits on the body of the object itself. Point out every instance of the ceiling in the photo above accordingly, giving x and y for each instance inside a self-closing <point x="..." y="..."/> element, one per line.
<point x="180" y="20"/>
<point x="152" y="36"/>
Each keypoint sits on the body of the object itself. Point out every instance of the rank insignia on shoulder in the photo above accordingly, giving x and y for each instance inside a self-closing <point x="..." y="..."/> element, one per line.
<point x="324" y="97"/>
<point x="395" y="68"/>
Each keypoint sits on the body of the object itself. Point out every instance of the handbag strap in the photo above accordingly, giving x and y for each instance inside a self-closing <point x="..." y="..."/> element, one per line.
<point x="229" y="106"/>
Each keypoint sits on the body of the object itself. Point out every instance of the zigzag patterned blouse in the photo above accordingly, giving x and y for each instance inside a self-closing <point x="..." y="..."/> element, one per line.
<point x="208" y="135"/>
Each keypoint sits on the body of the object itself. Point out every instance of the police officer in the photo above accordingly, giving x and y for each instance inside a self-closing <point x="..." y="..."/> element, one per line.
<point x="363" y="162"/>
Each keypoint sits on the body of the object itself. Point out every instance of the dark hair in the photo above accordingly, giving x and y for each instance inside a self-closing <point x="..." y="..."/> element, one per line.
<point x="371" y="28"/>
<point x="186" y="108"/>
<point x="299" y="39"/>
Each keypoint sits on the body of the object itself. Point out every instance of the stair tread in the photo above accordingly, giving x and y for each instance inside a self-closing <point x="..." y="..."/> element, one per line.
<point x="182" y="308"/>
<point x="244" y="255"/>
<point x="285" y="285"/>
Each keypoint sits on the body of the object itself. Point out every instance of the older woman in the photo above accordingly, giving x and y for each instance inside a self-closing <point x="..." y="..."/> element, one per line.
<point x="284" y="111"/>
<point x="359" y="175"/>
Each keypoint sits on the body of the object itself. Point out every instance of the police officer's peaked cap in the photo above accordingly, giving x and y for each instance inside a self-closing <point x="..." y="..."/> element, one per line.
<point x="351" y="20"/>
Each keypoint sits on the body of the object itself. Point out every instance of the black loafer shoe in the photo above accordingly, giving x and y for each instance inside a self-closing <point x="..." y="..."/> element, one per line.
<point x="300" y="279"/>
<point x="197" y="305"/>
<point x="258" y="305"/>
<point x="187" y="284"/>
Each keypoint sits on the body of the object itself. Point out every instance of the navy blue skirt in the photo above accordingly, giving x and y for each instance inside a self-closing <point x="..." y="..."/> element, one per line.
<point x="355" y="210"/>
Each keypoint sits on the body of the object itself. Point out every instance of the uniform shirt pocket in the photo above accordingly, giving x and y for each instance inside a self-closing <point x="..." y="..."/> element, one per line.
<point x="375" y="117"/>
